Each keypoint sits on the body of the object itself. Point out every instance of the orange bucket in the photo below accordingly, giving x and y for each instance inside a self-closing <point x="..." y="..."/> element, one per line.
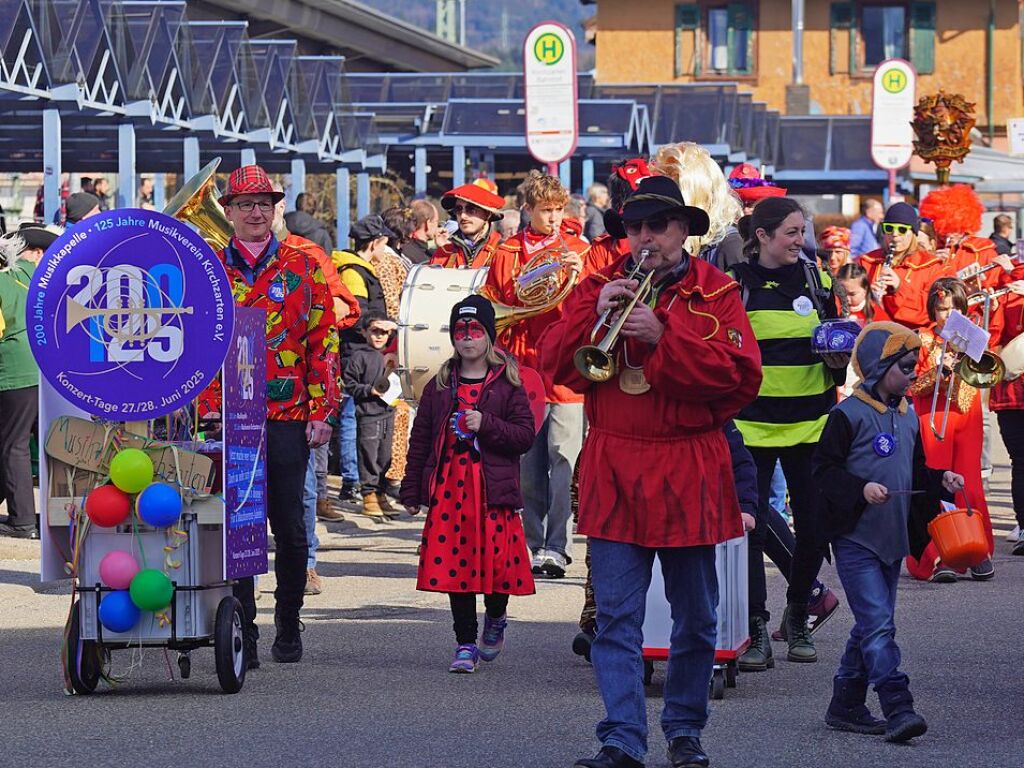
<point x="959" y="535"/>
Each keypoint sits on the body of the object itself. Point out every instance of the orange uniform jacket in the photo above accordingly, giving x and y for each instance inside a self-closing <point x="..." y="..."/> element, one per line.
<point x="976" y="251"/>
<point x="521" y="338"/>
<point x="703" y="370"/>
<point x="908" y="305"/>
<point x="334" y="284"/>
<point x="451" y="255"/>
<point x="604" y="250"/>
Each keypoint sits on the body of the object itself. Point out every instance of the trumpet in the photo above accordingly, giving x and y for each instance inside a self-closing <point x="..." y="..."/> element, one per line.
<point x="975" y="271"/>
<point x="983" y="374"/>
<point x="978" y="297"/>
<point x="595" y="362"/>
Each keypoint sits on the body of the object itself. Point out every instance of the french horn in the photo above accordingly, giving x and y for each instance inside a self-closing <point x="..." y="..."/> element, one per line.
<point x="196" y="204"/>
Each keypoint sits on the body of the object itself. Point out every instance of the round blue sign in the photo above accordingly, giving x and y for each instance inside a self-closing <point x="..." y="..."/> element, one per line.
<point x="130" y="315"/>
<point x="885" y="444"/>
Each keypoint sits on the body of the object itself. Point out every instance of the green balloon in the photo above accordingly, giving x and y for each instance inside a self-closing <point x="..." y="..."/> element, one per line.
<point x="151" y="590"/>
<point x="131" y="470"/>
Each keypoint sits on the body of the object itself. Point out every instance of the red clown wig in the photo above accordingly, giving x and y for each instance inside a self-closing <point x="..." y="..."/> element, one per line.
<point x="953" y="210"/>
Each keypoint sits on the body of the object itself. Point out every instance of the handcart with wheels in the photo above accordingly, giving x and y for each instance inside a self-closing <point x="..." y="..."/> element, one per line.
<point x="733" y="636"/>
<point x="202" y="613"/>
<point x="132" y="326"/>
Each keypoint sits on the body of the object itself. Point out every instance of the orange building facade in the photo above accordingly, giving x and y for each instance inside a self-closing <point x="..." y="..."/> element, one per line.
<point x="972" y="47"/>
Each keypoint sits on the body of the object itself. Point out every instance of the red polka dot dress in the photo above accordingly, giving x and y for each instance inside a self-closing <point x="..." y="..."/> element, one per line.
<point x="468" y="546"/>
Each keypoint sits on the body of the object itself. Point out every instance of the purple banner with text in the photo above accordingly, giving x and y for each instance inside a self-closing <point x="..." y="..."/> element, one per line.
<point x="245" y="447"/>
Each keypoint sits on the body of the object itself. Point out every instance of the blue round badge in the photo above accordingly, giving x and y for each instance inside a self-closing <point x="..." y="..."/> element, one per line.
<point x="130" y="315"/>
<point x="885" y="444"/>
<point x="276" y="291"/>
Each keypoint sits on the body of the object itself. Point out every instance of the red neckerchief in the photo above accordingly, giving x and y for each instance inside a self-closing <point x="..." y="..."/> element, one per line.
<point x="534" y="241"/>
<point x="247" y="250"/>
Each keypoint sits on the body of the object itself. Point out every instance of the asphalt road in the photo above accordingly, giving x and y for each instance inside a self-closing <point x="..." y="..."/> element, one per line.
<point x="373" y="688"/>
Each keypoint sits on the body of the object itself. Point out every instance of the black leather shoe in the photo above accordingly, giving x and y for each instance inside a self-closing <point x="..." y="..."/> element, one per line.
<point x="609" y="757"/>
<point x="581" y="644"/>
<point x="686" y="752"/>
<point x="28" y="532"/>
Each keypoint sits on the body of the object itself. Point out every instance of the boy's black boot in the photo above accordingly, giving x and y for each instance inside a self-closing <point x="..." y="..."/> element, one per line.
<point x="902" y="723"/>
<point x="848" y="711"/>
<point x="287" y="647"/>
<point x="758" y="656"/>
<point x="798" y="634"/>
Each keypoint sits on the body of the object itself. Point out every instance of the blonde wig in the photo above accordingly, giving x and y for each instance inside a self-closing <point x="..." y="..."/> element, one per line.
<point x="703" y="185"/>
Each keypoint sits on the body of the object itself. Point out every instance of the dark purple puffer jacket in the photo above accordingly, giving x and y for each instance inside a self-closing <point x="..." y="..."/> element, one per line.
<point x="507" y="431"/>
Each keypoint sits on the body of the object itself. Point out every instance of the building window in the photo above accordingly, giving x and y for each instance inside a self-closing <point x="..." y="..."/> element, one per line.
<point x="714" y="39"/>
<point x="883" y="32"/>
<point x="864" y="34"/>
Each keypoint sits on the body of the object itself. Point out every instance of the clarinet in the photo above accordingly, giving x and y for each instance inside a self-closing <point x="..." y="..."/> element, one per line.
<point x="890" y="254"/>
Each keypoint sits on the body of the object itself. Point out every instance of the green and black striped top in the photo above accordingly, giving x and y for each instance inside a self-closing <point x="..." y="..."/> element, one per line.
<point x="798" y="389"/>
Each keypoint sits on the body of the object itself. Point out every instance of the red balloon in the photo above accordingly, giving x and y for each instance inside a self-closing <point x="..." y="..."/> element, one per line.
<point x="107" y="506"/>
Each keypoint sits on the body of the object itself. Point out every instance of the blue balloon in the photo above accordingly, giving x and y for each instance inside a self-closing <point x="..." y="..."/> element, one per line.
<point x="117" y="611"/>
<point x="159" y="505"/>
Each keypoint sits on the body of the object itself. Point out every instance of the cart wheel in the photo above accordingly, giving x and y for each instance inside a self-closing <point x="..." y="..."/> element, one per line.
<point x="228" y="645"/>
<point x="718" y="685"/>
<point x="83" y="658"/>
<point x="184" y="665"/>
<point x="648" y="671"/>
<point x="730" y="675"/>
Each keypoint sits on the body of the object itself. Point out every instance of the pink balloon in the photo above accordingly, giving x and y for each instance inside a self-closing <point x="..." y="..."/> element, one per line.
<point x="117" y="569"/>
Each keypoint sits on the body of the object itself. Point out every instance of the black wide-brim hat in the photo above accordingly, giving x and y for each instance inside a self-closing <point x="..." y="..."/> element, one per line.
<point x="655" y="196"/>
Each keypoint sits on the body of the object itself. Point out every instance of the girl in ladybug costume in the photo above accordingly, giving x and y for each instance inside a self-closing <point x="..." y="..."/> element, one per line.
<point x="474" y="422"/>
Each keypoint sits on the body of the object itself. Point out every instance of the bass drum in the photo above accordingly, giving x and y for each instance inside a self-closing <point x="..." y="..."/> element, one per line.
<point x="1013" y="358"/>
<point x="428" y="296"/>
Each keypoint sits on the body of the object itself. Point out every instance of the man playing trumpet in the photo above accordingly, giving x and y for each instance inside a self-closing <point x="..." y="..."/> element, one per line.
<point x="655" y="473"/>
<point x="521" y="275"/>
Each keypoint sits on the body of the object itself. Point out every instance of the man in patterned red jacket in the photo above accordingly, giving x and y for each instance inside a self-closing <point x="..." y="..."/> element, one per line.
<point x="302" y="389"/>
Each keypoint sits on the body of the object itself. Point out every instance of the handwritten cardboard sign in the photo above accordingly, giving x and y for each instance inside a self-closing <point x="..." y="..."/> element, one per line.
<point x="89" y="445"/>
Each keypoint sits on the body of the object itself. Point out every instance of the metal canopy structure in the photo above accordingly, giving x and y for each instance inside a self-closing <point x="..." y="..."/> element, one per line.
<point x="105" y="85"/>
<point x="115" y="85"/>
<point x="481" y="113"/>
<point x="373" y="39"/>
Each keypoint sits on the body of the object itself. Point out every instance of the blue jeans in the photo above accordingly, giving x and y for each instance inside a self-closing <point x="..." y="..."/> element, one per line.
<point x="347" y="442"/>
<point x="777" y="499"/>
<point x="309" y="508"/>
<point x="621" y="576"/>
<point x="870" y="585"/>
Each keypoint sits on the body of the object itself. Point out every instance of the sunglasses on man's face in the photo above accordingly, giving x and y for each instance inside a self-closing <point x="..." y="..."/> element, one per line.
<point x="896" y="229"/>
<point x="380" y="332"/>
<point x="468" y="209"/>
<point x="656" y="225"/>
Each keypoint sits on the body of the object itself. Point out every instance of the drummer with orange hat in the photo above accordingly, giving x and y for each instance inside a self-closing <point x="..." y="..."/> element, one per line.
<point x="475" y="208"/>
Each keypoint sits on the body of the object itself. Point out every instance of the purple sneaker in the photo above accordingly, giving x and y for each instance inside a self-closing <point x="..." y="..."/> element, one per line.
<point x="493" y="638"/>
<point x="465" y="659"/>
<point x="821" y="607"/>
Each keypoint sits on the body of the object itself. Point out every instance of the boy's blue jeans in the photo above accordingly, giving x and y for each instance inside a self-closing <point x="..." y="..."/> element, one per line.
<point x="621" y="576"/>
<point x="870" y="585"/>
<point x="347" y="441"/>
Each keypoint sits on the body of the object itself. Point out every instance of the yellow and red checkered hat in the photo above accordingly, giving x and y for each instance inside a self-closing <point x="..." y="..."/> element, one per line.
<point x="249" y="180"/>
